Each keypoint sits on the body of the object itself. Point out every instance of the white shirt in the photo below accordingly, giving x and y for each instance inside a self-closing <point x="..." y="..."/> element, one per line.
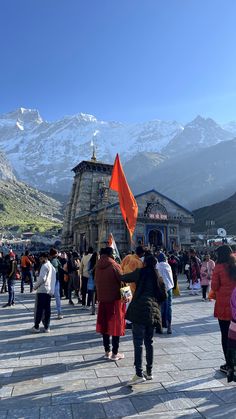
<point x="47" y="279"/>
<point x="165" y="271"/>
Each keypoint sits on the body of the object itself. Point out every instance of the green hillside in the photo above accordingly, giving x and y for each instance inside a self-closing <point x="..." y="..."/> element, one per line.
<point x="24" y="208"/>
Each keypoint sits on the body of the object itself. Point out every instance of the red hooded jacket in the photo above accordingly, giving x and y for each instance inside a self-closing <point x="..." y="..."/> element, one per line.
<point x="107" y="279"/>
<point x="223" y="286"/>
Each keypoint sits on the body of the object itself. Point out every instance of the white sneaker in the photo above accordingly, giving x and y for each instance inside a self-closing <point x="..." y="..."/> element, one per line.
<point x="107" y="355"/>
<point x="47" y="330"/>
<point x="136" y="380"/>
<point x="59" y="317"/>
<point x="117" y="357"/>
<point x="147" y="376"/>
<point x="34" y="330"/>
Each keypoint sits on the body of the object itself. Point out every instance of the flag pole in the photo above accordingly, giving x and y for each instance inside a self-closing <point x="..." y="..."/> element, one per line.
<point x="103" y="220"/>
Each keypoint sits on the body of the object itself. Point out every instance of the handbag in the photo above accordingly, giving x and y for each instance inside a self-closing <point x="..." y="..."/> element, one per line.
<point x="125" y="292"/>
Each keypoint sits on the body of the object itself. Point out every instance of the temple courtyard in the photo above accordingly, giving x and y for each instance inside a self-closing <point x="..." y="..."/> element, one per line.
<point x="63" y="375"/>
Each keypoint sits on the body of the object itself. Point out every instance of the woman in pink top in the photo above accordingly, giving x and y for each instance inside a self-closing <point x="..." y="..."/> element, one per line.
<point x="206" y="274"/>
<point x="231" y="353"/>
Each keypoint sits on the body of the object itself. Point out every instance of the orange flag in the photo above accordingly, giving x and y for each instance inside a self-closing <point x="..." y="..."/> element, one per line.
<point x="128" y="204"/>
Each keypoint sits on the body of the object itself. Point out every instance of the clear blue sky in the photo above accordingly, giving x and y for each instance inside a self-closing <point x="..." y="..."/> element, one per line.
<point x="128" y="60"/>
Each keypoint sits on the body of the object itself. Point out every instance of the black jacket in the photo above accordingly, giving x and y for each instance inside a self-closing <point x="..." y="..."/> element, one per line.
<point x="145" y="306"/>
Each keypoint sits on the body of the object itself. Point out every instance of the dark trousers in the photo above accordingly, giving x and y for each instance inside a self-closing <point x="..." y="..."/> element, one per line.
<point x="11" y="290"/>
<point x="166" y="310"/>
<point x="70" y="286"/>
<point x="26" y="273"/>
<point x="42" y="310"/>
<point x="115" y="343"/>
<point x="84" y="289"/>
<point x="65" y="288"/>
<point x="91" y="298"/>
<point x="204" y="291"/>
<point x="4" y="283"/>
<point x="224" y="329"/>
<point x="142" y="334"/>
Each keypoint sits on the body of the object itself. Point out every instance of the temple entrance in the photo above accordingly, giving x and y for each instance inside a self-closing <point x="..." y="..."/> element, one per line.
<point x="155" y="238"/>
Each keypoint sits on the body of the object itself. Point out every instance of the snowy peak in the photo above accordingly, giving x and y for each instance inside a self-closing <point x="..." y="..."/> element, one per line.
<point x="84" y="117"/>
<point x="22" y="119"/>
<point x="199" y="133"/>
<point x="43" y="153"/>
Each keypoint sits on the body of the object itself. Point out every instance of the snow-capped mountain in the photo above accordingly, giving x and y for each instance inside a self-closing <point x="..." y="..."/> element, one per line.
<point x="200" y="133"/>
<point x="43" y="153"/>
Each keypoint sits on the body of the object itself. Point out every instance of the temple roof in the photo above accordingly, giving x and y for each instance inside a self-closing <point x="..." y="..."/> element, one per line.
<point x="137" y="196"/>
<point x="92" y="166"/>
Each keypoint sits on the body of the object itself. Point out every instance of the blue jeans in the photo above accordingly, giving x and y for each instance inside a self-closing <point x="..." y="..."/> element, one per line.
<point x="11" y="290"/>
<point x="57" y="296"/>
<point x="142" y="334"/>
<point x="26" y="273"/>
<point x="166" y="310"/>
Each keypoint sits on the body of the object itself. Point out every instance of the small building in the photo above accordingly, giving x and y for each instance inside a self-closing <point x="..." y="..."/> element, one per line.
<point x="93" y="213"/>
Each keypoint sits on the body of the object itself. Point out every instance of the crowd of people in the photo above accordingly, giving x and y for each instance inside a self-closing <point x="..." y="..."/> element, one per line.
<point x="135" y="293"/>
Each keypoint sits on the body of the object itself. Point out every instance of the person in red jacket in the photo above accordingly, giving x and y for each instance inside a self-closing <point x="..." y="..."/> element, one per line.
<point x="111" y="309"/>
<point x="223" y="283"/>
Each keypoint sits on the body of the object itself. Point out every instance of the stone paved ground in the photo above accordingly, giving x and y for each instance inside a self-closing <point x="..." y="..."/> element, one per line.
<point x="63" y="375"/>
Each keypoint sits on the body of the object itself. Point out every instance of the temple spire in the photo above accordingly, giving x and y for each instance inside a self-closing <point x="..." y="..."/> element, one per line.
<point x="93" y="158"/>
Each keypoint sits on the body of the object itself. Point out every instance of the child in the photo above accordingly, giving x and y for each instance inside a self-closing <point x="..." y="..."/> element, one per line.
<point x="231" y="352"/>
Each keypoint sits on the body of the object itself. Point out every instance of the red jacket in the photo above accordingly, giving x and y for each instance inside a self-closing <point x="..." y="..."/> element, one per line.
<point x="107" y="279"/>
<point x="223" y="286"/>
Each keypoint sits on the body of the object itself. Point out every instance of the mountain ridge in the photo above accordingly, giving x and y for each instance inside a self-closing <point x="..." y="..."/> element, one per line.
<point x="43" y="153"/>
<point x="223" y="213"/>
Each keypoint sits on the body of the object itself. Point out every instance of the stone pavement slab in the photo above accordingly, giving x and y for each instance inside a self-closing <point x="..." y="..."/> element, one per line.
<point x="64" y="375"/>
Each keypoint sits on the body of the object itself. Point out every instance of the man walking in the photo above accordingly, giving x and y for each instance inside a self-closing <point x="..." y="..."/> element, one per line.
<point x="45" y="286"/>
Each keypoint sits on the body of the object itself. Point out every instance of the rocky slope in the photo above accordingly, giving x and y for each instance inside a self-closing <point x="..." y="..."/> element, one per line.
<point x="223" y="213"/>
<point x="24" y="207"/>
<point x="195" y="179"/>
<point x="6" y="171"/>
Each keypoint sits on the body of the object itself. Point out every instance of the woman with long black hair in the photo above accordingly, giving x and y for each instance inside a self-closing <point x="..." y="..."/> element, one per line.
<point x="145" y="314"/>
<point x="223" y="283"/>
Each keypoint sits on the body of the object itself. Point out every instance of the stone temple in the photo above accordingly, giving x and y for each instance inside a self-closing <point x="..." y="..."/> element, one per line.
<point x="93" y="213"/>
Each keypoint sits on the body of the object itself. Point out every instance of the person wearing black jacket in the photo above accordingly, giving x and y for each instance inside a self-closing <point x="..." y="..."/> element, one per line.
<point x="145" y="314"/>
<point x="3" y="273"/>
<point x="11" y="279"/>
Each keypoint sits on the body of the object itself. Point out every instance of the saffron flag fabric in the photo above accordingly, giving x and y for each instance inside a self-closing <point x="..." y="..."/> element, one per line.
<point x="128" y="204"/>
